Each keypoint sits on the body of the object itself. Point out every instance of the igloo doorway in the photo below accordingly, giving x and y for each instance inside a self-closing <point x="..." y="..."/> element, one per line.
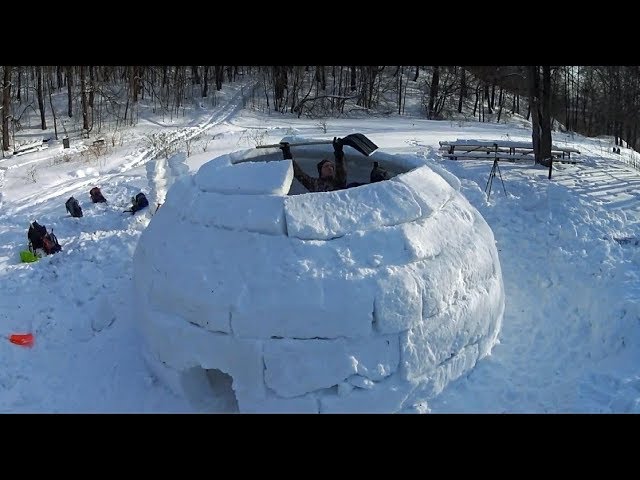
<point x="209" y="390"/>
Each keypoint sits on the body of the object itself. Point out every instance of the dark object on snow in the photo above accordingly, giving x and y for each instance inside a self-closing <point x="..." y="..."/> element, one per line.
<point x="35" y="235"/>
<point x="96" y="195"/>
<point x="40" y="238"/>
<point x="138" y="203"/>
<point x="65" y="142"/>
<point x="627" y="240"/>
<point x="378" y="173"/>
<point x="356" y="141"/>
<point x="73" y="207"/>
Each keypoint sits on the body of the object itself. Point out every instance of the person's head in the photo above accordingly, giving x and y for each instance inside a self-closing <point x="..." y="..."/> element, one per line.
<point x="326" y="169"/>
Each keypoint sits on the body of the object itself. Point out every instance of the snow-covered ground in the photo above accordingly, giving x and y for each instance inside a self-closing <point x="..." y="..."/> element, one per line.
<point x="567" y="247"/>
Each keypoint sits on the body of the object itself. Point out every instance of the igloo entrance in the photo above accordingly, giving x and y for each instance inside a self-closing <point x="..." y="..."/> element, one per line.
<point x="209" y="390"/>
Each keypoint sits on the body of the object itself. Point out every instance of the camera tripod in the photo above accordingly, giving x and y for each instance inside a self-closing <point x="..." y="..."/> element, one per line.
<point x="495" y="168"/>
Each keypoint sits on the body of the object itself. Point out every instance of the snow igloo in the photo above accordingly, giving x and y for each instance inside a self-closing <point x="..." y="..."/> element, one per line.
<point x="254" y="296"/>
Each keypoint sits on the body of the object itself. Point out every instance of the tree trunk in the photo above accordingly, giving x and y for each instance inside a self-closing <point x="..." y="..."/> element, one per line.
<point x="6" y="106"/>
<point x="463" y="89"/>
<point x="567" y="101"/>
<point x="415" y="77"/>
<point x="195" y="76"/>
<point x="399" y="90"/>
<point x="53" y="111"/>
<point x="353" y="79"/>
<point x="59" y="77"/>
<point x="83" y="100"/>
<point x="433" y="91"/>
<point x="500" y="101"/>
<point x="18" y="86"/>
<point x="279" y="74"/>
<point x="323" y="77"/>
<point x="205" y="81"/>
<point x="133" y="82"/>
<point x="545" y="117"/>
<point x="486" y="98"/>
<point x="92" y="87"/>
<point x="475" y="105"/>
<point x="69" y="96"/>
<point x="219" y="74"/>
<point x="43" y="120"/>
<point x="540" y="102"/>
<point x="533" y="108"/>
<point x="577" y="101"/>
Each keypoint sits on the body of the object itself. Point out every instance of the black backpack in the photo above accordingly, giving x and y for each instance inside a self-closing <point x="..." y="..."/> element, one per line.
<point x="96" y="195"/>
<point x="378" y="173"/>
<point x="73" y="207"/>
<point x="40" y="238"/>
<point x="138" y="203"/>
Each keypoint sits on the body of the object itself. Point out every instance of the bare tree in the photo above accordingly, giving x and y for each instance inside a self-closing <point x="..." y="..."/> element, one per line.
<point x="53" y="110"/>
<point x="488" y="99"/>
<point x="59" y="77"/>
<point x="219" y="74"/>
<point x="463" y="88"/>
<point x="69" y="91"/>
<point x="92" y="89"/>
<point x="353" y="79"/>
<point x="43" y="120"/>
<point x="84" y="101"/>
<point x="195" y="76"/>
<point x="400" y="70"/>
<point x="433" y="92"/>
<point x="500" y="102"/>
<point x="6" y="106"/>
<point x="321" y="79"/>
<point x="18" y="86"/>
<point x="205" y="81"/>
<point x="540" y="104"/>
<point x="279" y="75"/>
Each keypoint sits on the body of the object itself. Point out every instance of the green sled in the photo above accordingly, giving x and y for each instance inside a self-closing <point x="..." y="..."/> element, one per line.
<point x="27" y="256"/>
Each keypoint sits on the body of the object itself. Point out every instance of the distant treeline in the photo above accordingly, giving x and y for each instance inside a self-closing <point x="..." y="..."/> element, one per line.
<point x="590" y="100"/>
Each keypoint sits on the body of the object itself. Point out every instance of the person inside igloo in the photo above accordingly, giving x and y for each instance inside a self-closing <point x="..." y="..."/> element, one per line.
<point x="331" y="176"/>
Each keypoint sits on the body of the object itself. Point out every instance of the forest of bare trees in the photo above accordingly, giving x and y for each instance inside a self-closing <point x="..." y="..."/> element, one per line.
<point x="590" y="100"/>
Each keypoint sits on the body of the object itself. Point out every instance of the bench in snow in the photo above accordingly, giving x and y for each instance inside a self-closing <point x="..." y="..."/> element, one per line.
<point x="488" y="156"/>
<point x="29" y="147"/>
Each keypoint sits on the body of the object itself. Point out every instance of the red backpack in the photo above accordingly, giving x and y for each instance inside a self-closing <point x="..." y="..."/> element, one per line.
<point x="96" y="195"/>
